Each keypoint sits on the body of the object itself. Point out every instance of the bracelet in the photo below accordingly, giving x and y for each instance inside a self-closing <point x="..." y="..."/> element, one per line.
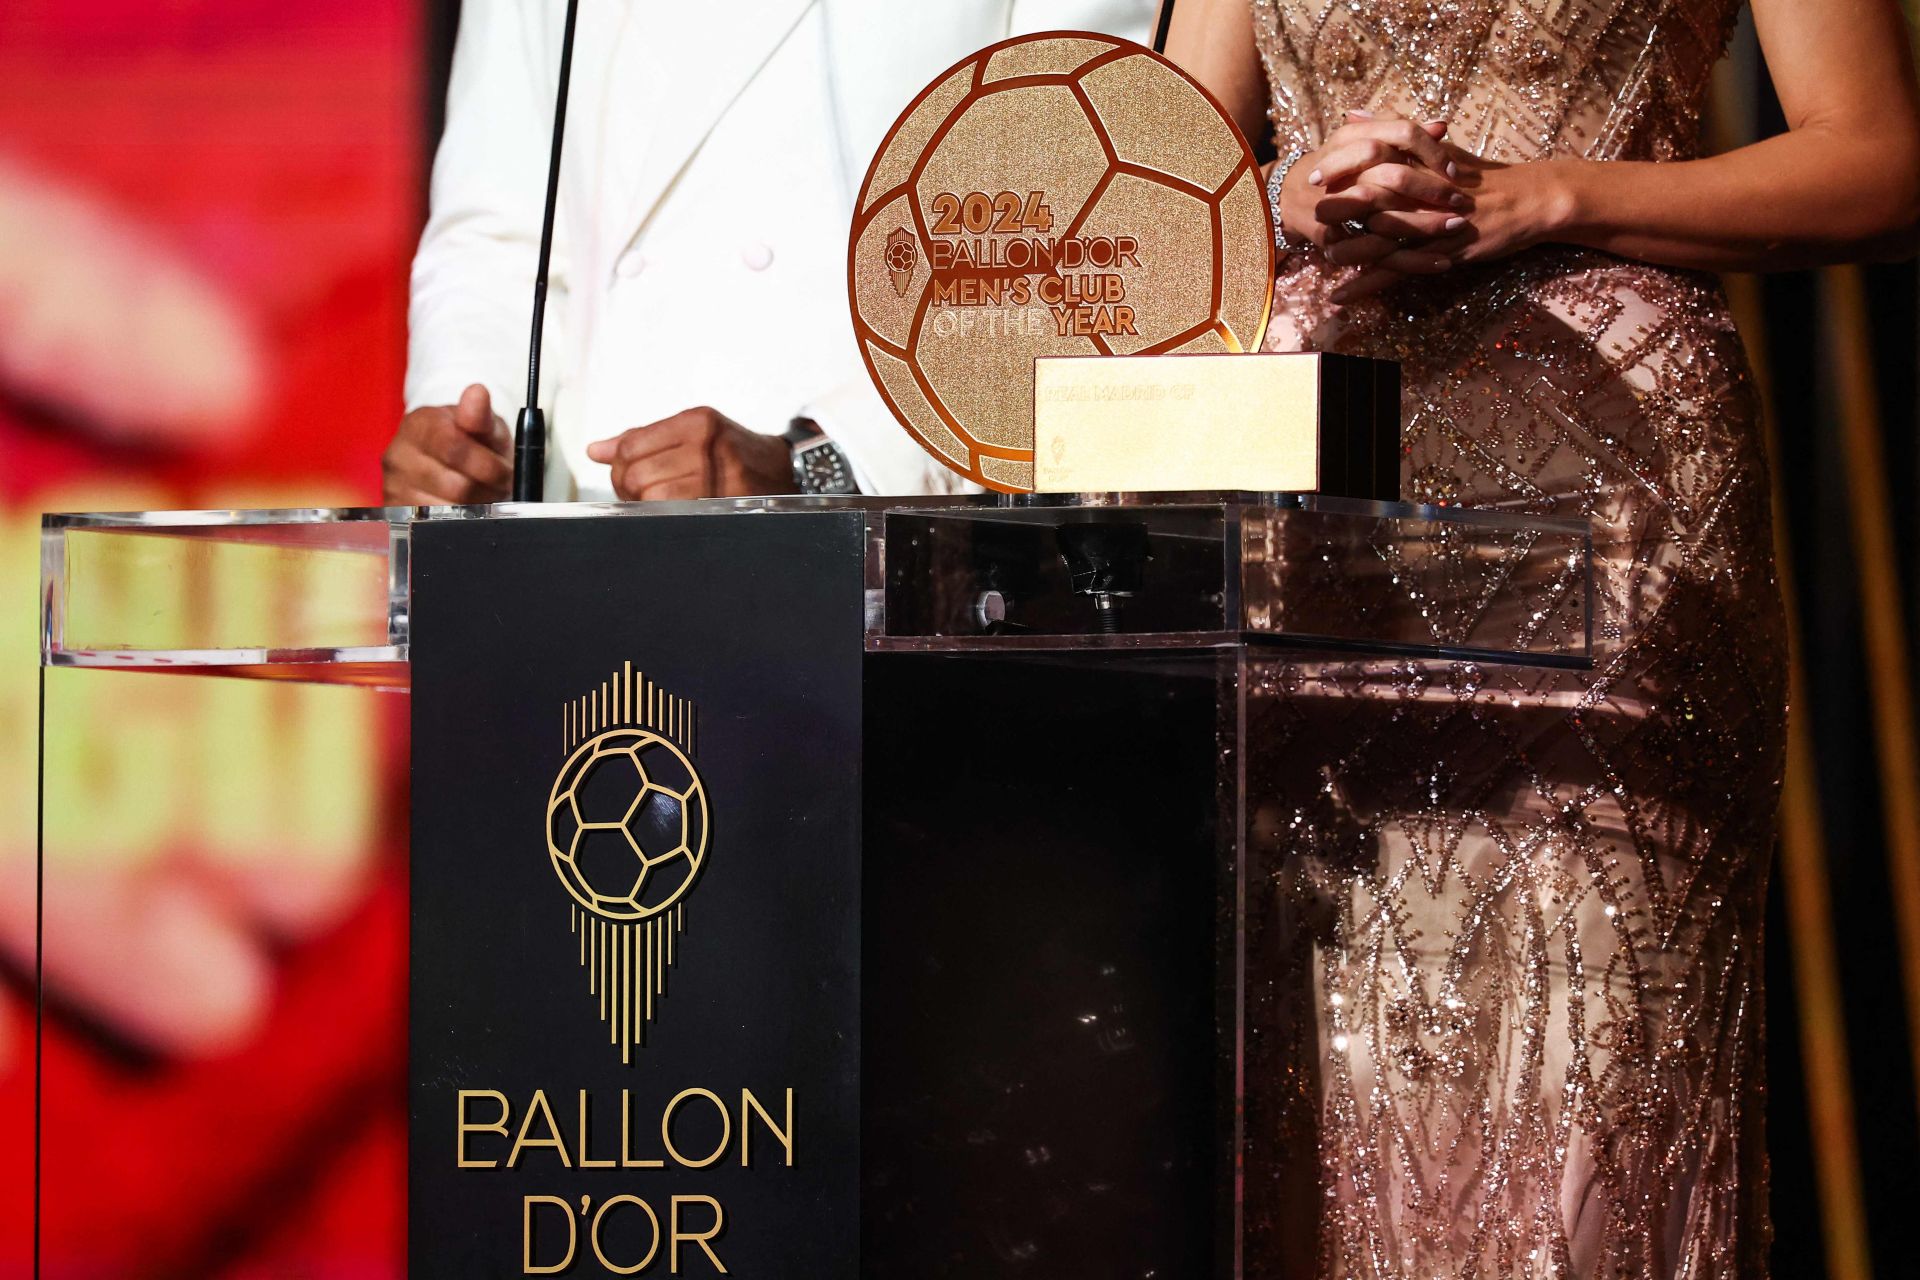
<point x="1284" y="240"/>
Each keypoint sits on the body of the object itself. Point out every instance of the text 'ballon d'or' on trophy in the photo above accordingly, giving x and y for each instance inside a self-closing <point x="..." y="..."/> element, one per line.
<point x="1061" y="268"/>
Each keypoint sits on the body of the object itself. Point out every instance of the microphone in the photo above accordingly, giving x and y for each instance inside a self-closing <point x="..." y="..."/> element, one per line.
<point x="530" y="430"/>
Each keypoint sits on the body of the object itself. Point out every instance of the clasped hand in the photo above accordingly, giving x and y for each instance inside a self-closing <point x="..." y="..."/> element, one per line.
<point x="1425" y="204"/>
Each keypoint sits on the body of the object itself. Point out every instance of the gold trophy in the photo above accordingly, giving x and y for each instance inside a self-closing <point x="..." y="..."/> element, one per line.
<point x="1053" y="201"/>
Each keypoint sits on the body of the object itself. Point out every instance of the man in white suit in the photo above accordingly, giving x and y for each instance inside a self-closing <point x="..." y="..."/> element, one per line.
<point x="698" y="305"/>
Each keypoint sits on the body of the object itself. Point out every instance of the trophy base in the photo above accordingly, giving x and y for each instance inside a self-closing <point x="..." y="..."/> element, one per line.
<point x="1270" y="423"/>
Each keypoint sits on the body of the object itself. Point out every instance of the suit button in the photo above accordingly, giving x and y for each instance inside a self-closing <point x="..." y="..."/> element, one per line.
<point x="757" y="257"/>
<point x="629" y="265"/>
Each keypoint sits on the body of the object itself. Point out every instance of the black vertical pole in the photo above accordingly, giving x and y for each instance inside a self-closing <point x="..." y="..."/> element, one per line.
<point x="530" y="431"/>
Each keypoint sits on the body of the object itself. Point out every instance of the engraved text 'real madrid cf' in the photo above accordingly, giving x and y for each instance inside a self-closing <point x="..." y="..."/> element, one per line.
<point x="819" y="465"/>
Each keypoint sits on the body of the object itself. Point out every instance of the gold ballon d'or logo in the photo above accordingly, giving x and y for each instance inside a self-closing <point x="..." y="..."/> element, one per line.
<point x="627" y="827"/>
<point x="1054" y="195"/>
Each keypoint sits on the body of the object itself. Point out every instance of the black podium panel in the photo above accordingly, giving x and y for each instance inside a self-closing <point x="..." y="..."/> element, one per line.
<point x="608" y="714"/>
<point x="1044" y="1083"/>
<point x="965" y="908"/>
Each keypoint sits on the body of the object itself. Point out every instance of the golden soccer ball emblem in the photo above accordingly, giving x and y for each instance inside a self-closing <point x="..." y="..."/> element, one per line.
<point x="903" y="255"/>
<point x="1062" y="194"/>
<point x="627" y="824"/>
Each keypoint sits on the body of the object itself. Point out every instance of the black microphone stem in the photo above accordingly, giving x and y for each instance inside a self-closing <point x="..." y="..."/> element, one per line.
<point x="1164" y="25"/>
<point x="530" y="431"/>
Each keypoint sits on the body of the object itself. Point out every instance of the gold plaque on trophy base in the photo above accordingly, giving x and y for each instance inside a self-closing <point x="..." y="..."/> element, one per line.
<point x="1064" y="194"/>
<point x="1306" y="422"/>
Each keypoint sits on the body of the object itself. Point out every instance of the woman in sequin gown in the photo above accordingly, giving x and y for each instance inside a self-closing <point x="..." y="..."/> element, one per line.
<point x="1536" y="1040"/>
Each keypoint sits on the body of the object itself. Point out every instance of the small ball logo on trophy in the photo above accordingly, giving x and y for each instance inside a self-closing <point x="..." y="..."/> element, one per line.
<point x="903" y="255"/>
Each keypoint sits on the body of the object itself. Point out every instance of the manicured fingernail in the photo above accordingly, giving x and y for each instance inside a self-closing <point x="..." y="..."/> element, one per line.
<point x="1443" y="264"/>
<point x="1313" y="179"/>
<point x="1454" y="224"/>
<point x="1364" y="115"/>
<point x="1459" y="201"/>
<point x="1453" y="170"/>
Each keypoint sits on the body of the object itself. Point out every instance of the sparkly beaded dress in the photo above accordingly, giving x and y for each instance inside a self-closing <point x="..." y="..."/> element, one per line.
<point x="1529" y="906"/>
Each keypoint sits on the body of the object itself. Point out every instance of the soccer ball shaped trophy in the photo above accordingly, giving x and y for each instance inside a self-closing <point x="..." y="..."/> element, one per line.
<point x="1054" y="195"/>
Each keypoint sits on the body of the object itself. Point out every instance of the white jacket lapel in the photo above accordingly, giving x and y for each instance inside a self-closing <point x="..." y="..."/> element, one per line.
<point x="692" y="61"/>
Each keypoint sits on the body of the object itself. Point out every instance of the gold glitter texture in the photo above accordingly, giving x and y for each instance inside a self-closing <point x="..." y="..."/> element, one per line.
<point x="893" y="166"/>
<point x="888" y="310"/>
<point x="1166" y="294"/>
<point x="1161" y="123"/>
<point x="1048" y="55"/>
<point x="1246" y="282"/>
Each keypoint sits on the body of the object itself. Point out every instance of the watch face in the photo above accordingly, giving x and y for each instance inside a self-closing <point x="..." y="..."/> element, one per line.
<point x="820" y="467"/>
<point x="1053" y="195"/>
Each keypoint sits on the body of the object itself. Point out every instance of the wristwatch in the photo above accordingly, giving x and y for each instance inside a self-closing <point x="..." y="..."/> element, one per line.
<point x="819" y="466"/>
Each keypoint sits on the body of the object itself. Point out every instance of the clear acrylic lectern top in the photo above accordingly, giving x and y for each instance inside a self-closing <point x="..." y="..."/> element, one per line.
<point x="154" y="591"/>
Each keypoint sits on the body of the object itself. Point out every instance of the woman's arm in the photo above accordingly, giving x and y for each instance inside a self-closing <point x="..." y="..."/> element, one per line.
<point x="1843" y="183"/>
<point x="1212" y="40"/>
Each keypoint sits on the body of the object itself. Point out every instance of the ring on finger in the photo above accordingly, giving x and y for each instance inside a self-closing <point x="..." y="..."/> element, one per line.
<point x="1354" y="227"/>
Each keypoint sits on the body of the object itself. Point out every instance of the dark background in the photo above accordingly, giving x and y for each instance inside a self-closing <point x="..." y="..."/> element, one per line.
<point x="1835" y="352"/>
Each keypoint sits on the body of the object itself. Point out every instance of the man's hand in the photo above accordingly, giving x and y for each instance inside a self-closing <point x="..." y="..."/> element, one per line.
<point x="697" y="453"/>
<point x="456" y="453"/>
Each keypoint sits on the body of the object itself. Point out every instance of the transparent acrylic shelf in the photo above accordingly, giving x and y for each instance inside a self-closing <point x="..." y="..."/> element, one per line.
<point x="321" y="595"/>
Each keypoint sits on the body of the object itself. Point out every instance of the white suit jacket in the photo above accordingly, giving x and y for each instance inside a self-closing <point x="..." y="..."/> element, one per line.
<point x="713" y="153"/>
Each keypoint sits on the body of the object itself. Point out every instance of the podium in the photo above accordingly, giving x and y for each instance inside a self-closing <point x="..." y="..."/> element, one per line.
<point x="857" y="887"/>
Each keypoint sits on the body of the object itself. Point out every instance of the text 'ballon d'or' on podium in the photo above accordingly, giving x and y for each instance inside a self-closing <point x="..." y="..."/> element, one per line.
<point x="821" y="887"/>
